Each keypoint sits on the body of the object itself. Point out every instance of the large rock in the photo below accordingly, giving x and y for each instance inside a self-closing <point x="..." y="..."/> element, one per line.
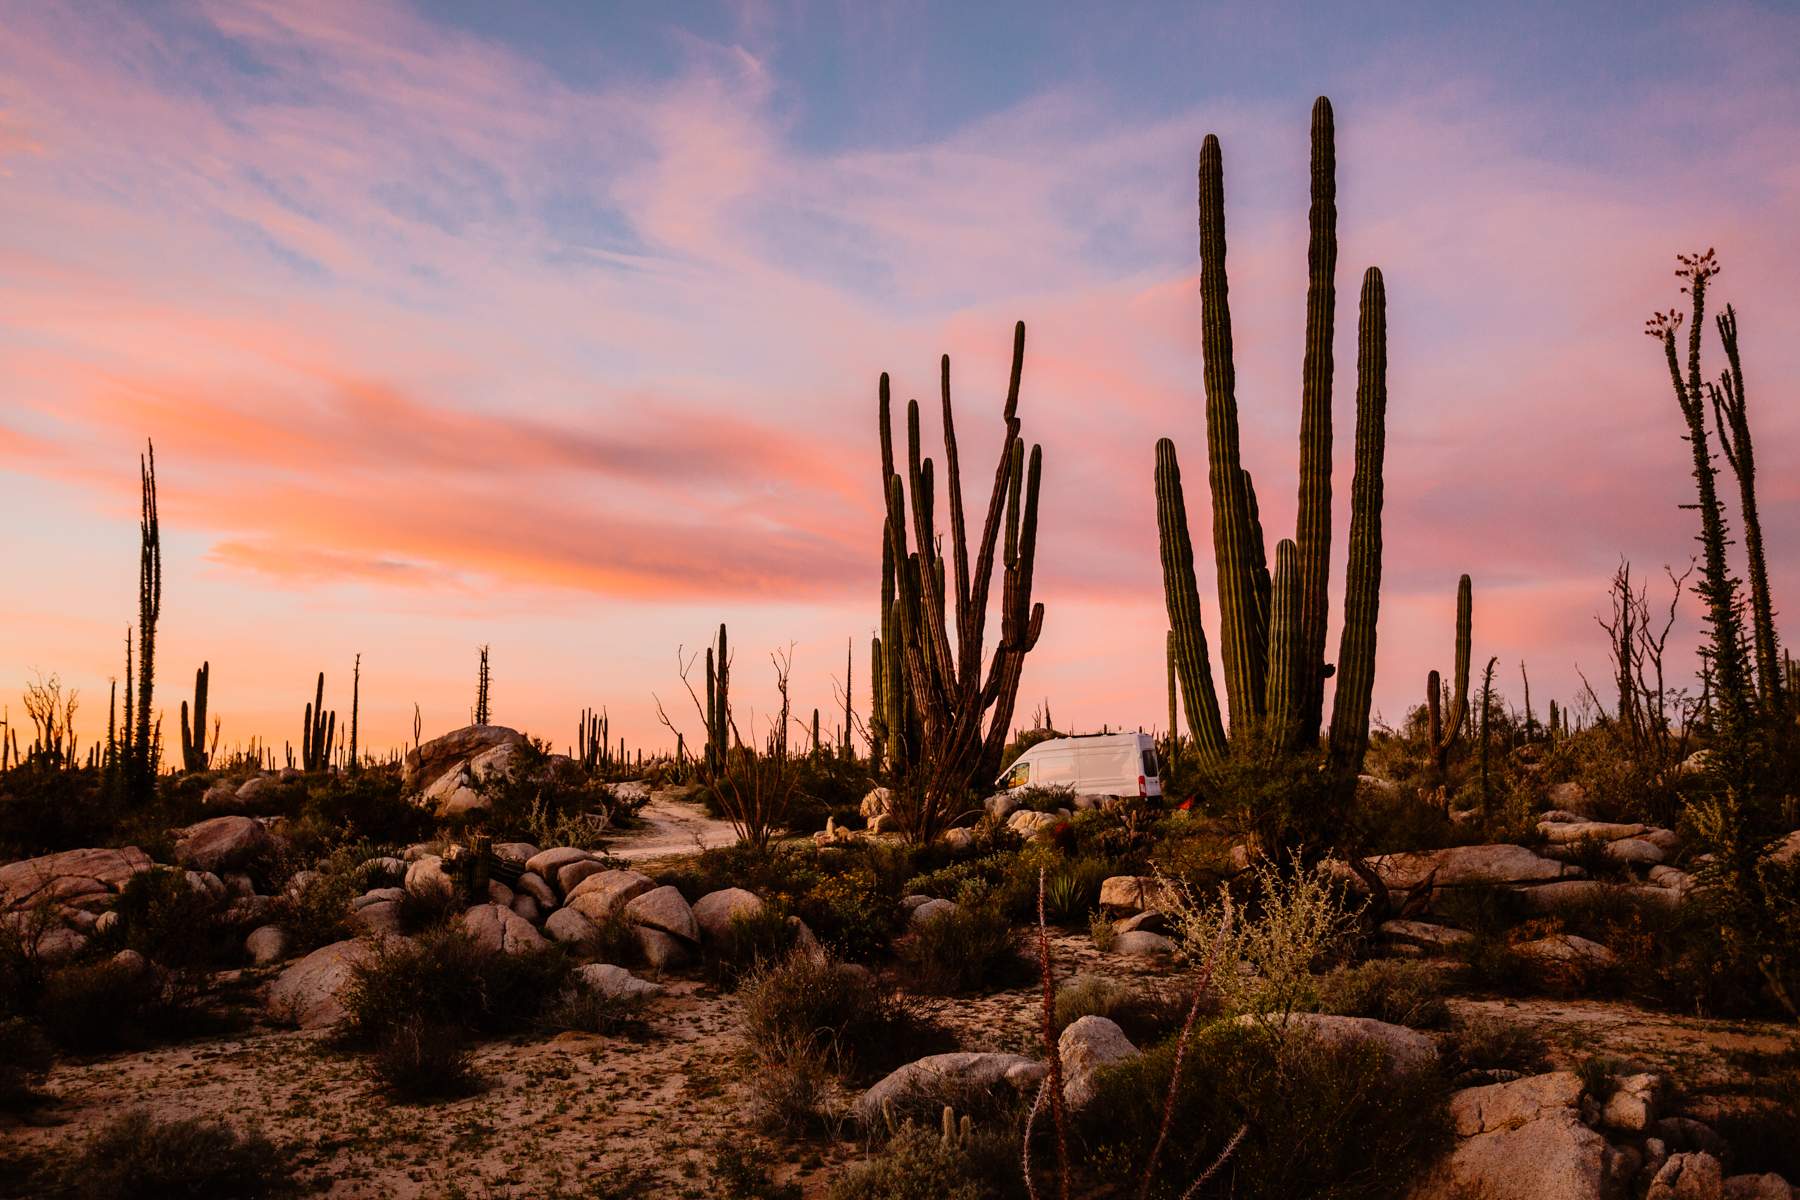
<point x="1562" y="833"/>
<point x="426" y="879"/>
<point x="516" y="853"/>
<point x="1554" y="1157"/>
<point x="600" y="897"/>
<point x="664" y="952"/>
<point x="1633" y="1105"/>
<point x="1425" y="936"/>
<point x="715" y="911"/>
<point x="1463" y="866"/>
<point x="307" y="993"/>
<point x="664" y="908"/>
<point x="569" y="927"/>
<point x="546" y="863"/>
<point x="1499" y="1106"/>
<point x="1141" y="943"/>
<point x="1030" y="824"/>
<point x="69" y="874"/>
<point x="937" y="1079"/>
<point x="570" y="875"/>
<point x="1787" y="850"/>
<point x="1769" y="1186"/>
<point x="1126" y="894"/>
<point x="501" y="930"/>
<point x="1405" y="1048"/>
<point x="931" y="910"/>
<point x="532" y="884"/>
<point x="435" y="758"/>
<point x="607" y="980"/>
<point x="1086" y="1046"/>
<point x="221" y="843"/>
<point x="1567" y="950"/>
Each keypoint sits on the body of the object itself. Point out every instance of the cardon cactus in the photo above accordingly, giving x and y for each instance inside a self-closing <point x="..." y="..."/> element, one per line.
<point x="194" y="756"/>
<point x="1273" y="626"/>
<point x="317" y="732"/>
<point x="1442" y="733"/>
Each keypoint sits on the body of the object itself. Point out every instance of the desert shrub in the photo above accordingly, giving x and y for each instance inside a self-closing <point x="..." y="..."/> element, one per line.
<point x="826" y="786"/>
<point x="1393" y="817"/>
<point x="1481" y="908"/>
<point x="807" y="997"/>
<point x="779" y="871"/>
<point x="1326" y="1121"/>
<point x="749" y="941"/>
<point x="737" y="1173"/>
<point x="419" y="1058"/>
<point x="1399" y="992"/>
<point x="25" y="1055"/>
<point x="94" y="1007"/>
<point x="1761" y="1135"/>
<point x="137" y="1157"/>
<point x="791" y="1087"/>
<point x="544" y="795"/>
<point x="1072" y="889"/>
<point x="318" y="911"/>
<point x="165" y="918"/>
<point x="1267" y="949"/>
<point x="970" y="947"/>
<point x="44" y="808"/>
<point x="1045" y="798"/>
<point x="1146" y="1014"/>
<point x="1487" y="1044"/>
<point x="1102" y="931"/>
<point x="590" y="1011"/>
<point x="22" y="972"/>
<point x="443" y="977"/>
<point x="364" y="805"/>
<point x="1282" y="805"/>
<point x="921" y="1163"/>
<point x="852" y="913"/>
<point x="425" y="909"/>
<point x="1192" y="849"/>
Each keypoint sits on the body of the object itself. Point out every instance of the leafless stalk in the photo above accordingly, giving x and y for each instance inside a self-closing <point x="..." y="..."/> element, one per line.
<point x="1202" y="981"/>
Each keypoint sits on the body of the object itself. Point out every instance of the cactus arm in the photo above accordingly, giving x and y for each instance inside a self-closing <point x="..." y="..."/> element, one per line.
<point x="1353" y="693"/>
<point x="1313" y="526"/>
<point x="1181" y="595"/>
<point x="1282" y="701"/>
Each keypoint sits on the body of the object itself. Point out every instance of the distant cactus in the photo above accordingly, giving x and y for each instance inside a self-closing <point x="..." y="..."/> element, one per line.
<point x="140" y="758"/>
<point x="1273" y="626"/>
<point x="718" y="705"/>
<point x="193" y="738"/>
<point x="481" y="715"/>
<point x="1443" y="733"/>
<point x="317" y="732"/>
<point x="355" y="706"/>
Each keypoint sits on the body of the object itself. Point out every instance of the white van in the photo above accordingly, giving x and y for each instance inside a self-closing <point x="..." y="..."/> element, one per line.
<point x="1106" y="764"/>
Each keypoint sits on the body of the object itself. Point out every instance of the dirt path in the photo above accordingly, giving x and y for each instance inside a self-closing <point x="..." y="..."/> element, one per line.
<point x="670" y="828"/>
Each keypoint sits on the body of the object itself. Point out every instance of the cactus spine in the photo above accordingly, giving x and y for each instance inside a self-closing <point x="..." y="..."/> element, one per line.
<point x="1273" y="626"/>
<point x="193" y="738"/>
<point x="317" y="732"/>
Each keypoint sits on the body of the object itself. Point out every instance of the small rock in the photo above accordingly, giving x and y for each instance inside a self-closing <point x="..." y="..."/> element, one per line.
<point x="600" y="897"/>
<point x="387" y="895"/>
<point x="1691" y="1176"/>
<point x="664" y="908"/>
<point x="532" y="884"/>
<point x="715" y="911"/>
<point x="1125" y="894"/>
<point x="957" y="838"/>
<point x="1146" y="922"/>
<point x="931" y="909"/>
<point x="1087" y="1045"/>
<point x="1567" y="949"/>
<point x="1508" y="1105"/>
<point x="875" y="803"/>
<point x="1424" y="935"/>
<point x="266" y="944"/>
<point x="1002" y="806"/>
<point x="426" y="879"/>
<point x="501" y="930"/>
<point x="569" y="877"/>
<point x="381" y="917"/>
<point x="660" y="950"/>
<point x="1141" y="943"/>
<point x="527" y="907"/>
<point x="1768" y="1186"/>
<point x="499" y="893"/>
<point x="608" y="980"/>
<point x="1029" y="824"/>
<point x="1638" y="851"/>
<point x="516" y="853"/>
<point x="938" y="1079"/>
<point x="568" y="926"/>
<point x="546" y="863"/>
<point x="1632" y="1106"/>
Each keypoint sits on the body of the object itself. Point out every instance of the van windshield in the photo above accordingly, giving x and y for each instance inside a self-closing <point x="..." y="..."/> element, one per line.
<point x="1150" y="771"/>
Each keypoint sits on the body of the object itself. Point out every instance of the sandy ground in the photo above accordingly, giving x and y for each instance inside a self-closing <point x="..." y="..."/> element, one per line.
<point x="641" y="1115"/>
<point x="671" y="828"/>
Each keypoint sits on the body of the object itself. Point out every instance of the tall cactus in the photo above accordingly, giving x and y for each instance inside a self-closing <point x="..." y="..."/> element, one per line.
<point x="355" y="707"/>
<point x="718" y="704"/>
<point x="964" y="708"/>
<point x="1273" y="627"/>
<point x="317" y="732"/>
<point x="1734" y="439"/>
<point x="1442" y="733"/>
<point x="193" y="738"/>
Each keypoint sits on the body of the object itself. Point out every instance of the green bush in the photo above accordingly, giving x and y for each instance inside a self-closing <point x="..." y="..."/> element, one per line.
<point x="1334" y="1122"/>
<point x="968" y="948"/>
<point x="1399" y="992"/>
<point x="543" y="793"/>
<point x="165" y="918"/>
<point x="1147" y="1014"/>
<point x="1486" y="1044"/>
<point x="421" y="1058"/>
<point x="365" y="805"/>
<point x="318" y="911"/>
<point x="94" y="1007"/>
<point x="919" y="1163"/>
<point x="1072" y="889"/>
<point x="749" y="941"/>
<point x="443" y="978"/>
<point x="139" y="1158"/>
<point x="827" y="786"/>
<point x="808" y="998"/>
<point x="738" y="1173"/>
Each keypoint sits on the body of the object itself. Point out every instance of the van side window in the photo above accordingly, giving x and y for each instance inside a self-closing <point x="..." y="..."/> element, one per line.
<point x="1150" y="771"/>
<point x="1020" y="775"/>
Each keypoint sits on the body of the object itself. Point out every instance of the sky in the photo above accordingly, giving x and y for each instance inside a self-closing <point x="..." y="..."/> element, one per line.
<point x="556" y="327"/>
